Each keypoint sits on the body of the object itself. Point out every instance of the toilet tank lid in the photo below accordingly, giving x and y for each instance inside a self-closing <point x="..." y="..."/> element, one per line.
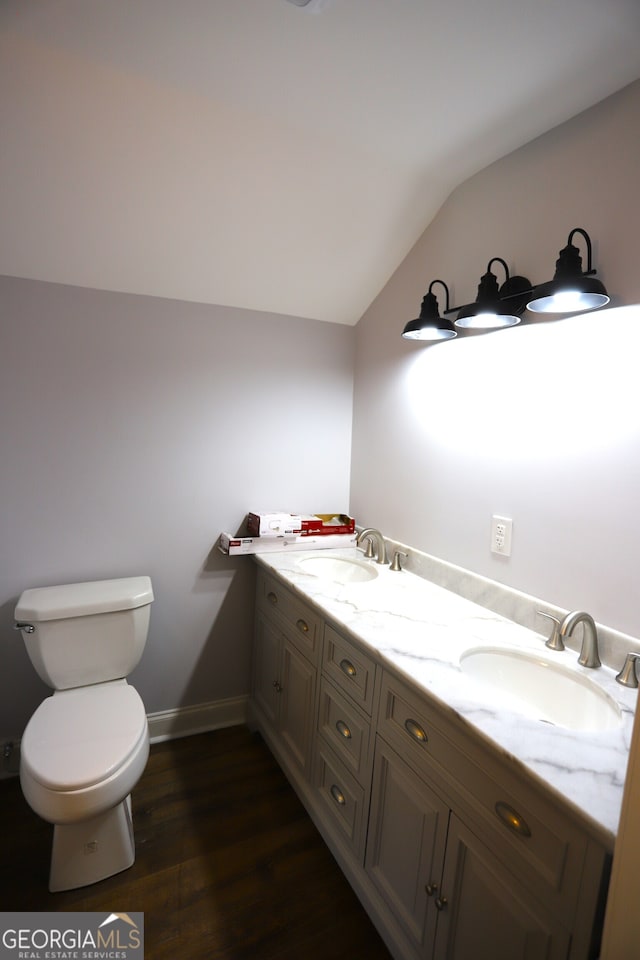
<point x="83" y="599"/>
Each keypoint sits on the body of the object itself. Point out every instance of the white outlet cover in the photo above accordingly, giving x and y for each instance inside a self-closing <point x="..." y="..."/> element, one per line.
<point x="501" y="533"/>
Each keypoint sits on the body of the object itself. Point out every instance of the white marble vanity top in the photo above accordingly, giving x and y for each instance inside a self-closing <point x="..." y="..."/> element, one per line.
<point x="421" y="629"/>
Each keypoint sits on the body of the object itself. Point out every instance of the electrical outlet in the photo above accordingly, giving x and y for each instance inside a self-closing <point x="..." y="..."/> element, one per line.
<point x="501" y="528"/>
<point x="10" y="758"/>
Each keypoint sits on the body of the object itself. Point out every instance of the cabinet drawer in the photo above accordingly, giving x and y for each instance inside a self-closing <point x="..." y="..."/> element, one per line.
<point x="342" y="799"/>
<point x="345" y="729"/>
<point x="407" y="722"/>
<point x="349" y="668"/>
<point x="536" y="841"/>
<point x="303" y="625"/>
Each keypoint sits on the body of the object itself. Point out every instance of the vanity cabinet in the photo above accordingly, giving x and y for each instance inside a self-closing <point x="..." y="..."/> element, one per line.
<point x="454" y="850"/>
<point x="455" y="900"/>
<point x="472" y="859"/>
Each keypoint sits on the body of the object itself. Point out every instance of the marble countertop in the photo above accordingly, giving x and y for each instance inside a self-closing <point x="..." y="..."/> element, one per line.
<point x="421" y="629"/>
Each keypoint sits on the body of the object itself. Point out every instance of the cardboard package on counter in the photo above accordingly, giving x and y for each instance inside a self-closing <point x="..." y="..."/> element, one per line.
<point x="273" y="524"/>
<point x="237" y="546"/>
<point x="305" y="525"/>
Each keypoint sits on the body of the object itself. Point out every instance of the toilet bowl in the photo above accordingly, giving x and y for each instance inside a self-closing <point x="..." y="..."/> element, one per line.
<point x="86" y="746"/>
<point x="82" y="753"/>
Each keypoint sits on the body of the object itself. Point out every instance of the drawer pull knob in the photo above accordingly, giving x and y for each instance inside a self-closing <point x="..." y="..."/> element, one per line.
<point x="338" y="795"/>
<point x="512" y="819"/>
<point x="272" y="598"/>
<point x="431" y="889"/>
<point x="441" y="903"/>
<point x="302" y="625"/>
<point x="347" y="667"/>
<point x="415" y="730"/>
<point x="343" y="729"/>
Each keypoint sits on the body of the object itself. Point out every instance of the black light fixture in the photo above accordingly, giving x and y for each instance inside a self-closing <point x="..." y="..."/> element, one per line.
<point x="572" y="290"/>
<point x="495" y="306"/>
<point x="430" y="325"/>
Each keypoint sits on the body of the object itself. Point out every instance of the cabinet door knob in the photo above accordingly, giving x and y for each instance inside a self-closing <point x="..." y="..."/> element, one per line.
<point x="431" y="889"/>
<point x="441" y="903"/>
<point x="415" y="730"/>
<point x="343" y="729"/>
<point x="302" y="625"/>
<point x="272" y="598"/>
<point x="338" y="795"/>
<point x="277" y="686"/>
<point x="512" y="819"/>
<point x="347" y="667"/>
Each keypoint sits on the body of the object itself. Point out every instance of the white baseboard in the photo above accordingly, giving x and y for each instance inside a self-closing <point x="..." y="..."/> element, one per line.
<point x="171" y="724"/>
<point x="200" y="718"/>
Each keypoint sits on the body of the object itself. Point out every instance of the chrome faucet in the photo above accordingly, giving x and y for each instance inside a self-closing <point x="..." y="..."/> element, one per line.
<point x="589" y="652"/>
<point x="371" y="534"/>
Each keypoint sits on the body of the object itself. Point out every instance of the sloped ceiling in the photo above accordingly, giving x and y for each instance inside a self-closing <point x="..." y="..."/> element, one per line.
<point x="257" y="154"/>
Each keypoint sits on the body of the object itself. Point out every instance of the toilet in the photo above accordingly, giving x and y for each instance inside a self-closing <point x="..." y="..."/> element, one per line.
<point x="86" y="746"/>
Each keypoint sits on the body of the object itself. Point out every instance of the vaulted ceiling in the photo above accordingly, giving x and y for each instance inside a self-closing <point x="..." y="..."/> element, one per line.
<point x="258" y="154"/>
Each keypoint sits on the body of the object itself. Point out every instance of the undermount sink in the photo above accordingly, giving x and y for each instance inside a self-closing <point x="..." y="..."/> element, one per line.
<point x="338" y="569"/>
<point x="548" y="691"/>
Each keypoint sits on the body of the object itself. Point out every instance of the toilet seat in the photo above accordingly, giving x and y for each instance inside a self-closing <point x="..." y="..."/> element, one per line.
<point x="83" y="750"/>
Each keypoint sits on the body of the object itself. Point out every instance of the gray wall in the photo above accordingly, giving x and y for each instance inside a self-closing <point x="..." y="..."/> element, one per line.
<point x="133" y="431"/>
<point x="540" y="423"/>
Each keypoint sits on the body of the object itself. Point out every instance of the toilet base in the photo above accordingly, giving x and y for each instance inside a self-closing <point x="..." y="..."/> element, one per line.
<point x="92" y="850"/>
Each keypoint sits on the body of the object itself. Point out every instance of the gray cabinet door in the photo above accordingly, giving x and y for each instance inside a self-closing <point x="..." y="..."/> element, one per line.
<point x="284" y="684"/>
<point x="484" y="912"/>
<point x="266" y="669"/>
<point x="406" y="845"/>
<point x="297" y="699"/>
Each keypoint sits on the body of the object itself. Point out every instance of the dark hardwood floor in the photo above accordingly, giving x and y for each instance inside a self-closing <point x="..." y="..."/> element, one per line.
<point x="228" y="864"/>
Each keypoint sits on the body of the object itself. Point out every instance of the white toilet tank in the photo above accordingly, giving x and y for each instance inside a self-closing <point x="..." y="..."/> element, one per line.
<point x="85" y="632"/>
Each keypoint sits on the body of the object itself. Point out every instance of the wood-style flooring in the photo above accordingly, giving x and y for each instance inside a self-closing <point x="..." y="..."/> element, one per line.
<point x="228" y="864"/>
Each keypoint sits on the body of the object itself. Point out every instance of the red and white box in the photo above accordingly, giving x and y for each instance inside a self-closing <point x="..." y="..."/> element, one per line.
<point x="306" y="525"/>
<point x="327" y="524"/>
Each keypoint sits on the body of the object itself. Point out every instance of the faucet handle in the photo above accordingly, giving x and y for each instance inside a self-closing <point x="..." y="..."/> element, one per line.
<point x="395" y="563"/>
<point x="628" y="676"/>
<point x="368" y="553"/>
<point x="555" y="640"/>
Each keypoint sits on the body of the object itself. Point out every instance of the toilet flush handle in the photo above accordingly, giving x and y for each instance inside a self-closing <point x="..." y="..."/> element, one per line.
<point x="27" y="627"/>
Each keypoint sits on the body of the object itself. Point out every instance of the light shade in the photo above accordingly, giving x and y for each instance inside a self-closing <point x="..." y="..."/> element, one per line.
<point x="430" y="326"/>
<point x="495" y="306"/>
<point x="571" y="290"/>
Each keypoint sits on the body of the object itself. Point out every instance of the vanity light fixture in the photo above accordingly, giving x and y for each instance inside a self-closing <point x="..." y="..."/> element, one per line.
<point x="572" y="290"/>
<point x="495" y="306"/>
<point x="430" y="325"/>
